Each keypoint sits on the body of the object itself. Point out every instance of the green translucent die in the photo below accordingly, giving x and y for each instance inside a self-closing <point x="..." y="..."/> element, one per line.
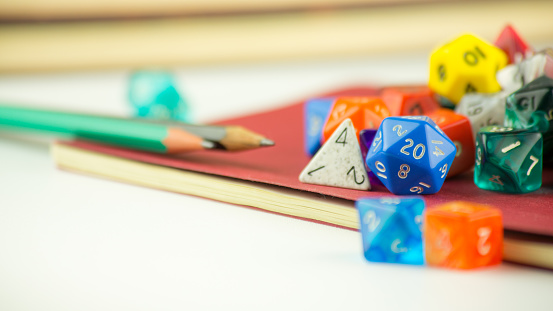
<point x="508" y="160"/>
<point x="153" y="94"/>
<point x="531" y="107"/>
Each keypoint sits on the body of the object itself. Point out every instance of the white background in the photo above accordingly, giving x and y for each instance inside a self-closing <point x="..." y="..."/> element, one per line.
<point x="73" y="242"/>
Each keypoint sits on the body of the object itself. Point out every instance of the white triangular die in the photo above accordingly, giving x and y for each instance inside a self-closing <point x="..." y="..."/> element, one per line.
<point x="339" y="162"/>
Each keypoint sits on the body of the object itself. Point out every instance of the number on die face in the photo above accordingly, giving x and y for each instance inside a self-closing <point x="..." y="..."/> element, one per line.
<point x="364" y="113"/>
<point x="338" y="163"/>
<point x="483" y="109"/>
<point x="508" y="160"/>
<point x="411" y="155"/>
<point x="409" y="100"/>
<point x="465" y="65"/>
<point x="391" y="229"/>
<point x="457" y="127"/>
<point x="463" y="235"/>
<point x="531" y="107"/>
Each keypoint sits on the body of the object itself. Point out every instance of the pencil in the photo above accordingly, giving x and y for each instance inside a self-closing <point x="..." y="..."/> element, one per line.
<point x="230" y="137"/>
<point x="130" y="133"/>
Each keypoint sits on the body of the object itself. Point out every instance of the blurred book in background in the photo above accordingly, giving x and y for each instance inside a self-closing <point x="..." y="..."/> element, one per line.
<point x="48" y="10"/>
<point x="49" y="35"/>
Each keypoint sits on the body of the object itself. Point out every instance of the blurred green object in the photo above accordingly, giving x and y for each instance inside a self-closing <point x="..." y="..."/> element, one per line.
<point x="531" y="107"/>
<point x="120" y="132"/>
<point x="153" y="94"/>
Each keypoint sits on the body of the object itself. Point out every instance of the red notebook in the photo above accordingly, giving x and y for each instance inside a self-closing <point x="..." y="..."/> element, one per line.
<point x="281" y="165"/>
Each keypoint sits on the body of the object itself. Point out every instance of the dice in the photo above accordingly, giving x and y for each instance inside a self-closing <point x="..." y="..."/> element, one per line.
<point x="366" y="138"/>
<point x="315" y="114"/>
<point x="153" y="94"/>
<point x="463" y="235"/>
<point x="465" y="65"/>
<point x="338" y="163"/>
<point x="510" y="77"/>
<point x="515" y="76"/>
<point x="513" y="45"/>
<point x="483" y="109"/>
<point x="411" y="155"/>
<point x="391" y="229"/>
<point x="364" y="113"/>
<point x="508" y="160"/>
<point x="457" y="127"/>
<point x="531" y="107"/>
<point x="409" y="100"/>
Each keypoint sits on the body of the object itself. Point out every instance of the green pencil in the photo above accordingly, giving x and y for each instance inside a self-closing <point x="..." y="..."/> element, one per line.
<point x="129" y="133"/>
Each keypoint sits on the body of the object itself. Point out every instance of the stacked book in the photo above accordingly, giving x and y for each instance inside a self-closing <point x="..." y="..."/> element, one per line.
<point x="51" y="35"/>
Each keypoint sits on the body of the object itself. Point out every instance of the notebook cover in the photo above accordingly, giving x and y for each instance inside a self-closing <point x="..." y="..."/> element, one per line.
<point x="281" y="165"/>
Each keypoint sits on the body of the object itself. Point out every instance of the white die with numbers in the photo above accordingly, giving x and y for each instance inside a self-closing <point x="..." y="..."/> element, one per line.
<point x="483" y="109"/>
<point x="515" y="76"/>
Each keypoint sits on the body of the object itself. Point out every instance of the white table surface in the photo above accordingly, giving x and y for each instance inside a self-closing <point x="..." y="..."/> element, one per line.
<point x="73" y="242"/>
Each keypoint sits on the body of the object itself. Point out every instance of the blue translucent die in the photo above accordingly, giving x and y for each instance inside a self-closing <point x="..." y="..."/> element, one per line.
<point x="315" y="115"/>
<point x="153" y="94"/>
<point x="410" y="155"/>
<point x="391" y="229"/>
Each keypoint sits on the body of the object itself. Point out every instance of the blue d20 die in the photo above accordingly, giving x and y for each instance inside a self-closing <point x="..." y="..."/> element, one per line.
<point x="391" y="229"/>
<point x="315" y="114"/>
<point x="410" y="155"/>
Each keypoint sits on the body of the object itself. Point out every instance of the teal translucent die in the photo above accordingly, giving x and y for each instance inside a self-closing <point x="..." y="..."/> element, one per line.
<point x="531" y="107"/>
<point x="153" y="94"/>
<point x="391" y="229"/>
<point x="508" y="160"/>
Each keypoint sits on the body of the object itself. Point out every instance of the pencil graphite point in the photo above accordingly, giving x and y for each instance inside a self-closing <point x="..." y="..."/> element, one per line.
<point x="266" y="142"/>
<point x="208" y="144"/>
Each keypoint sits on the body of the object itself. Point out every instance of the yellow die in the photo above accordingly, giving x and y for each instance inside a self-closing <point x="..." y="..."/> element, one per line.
<point x="465" y="65"/>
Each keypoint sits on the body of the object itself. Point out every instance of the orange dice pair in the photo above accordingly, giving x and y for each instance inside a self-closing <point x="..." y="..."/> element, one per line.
<point x="463" y="235"/>
<point x="364" y="113"/>
<point x="457" y="127"/>
<point x="409" y="100"/>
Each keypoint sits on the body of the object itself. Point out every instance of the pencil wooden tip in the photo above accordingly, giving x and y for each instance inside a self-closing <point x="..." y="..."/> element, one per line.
<point x="239" y="138"/>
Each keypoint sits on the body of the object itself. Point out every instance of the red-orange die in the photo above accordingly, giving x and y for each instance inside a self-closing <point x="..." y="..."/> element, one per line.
<point x="364" y="112"/>
<point x="457" y="127"/>
<point x="409" y="100"/>
<point x="513" y="45"/>
<point x="463" y="235"/>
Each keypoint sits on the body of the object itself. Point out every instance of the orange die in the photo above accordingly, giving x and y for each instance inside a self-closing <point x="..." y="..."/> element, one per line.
<point x="463" y="235"/>
<point x="409" y="100"/>
<point x="457" y="127"/>
<point x="364" y="112"/>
